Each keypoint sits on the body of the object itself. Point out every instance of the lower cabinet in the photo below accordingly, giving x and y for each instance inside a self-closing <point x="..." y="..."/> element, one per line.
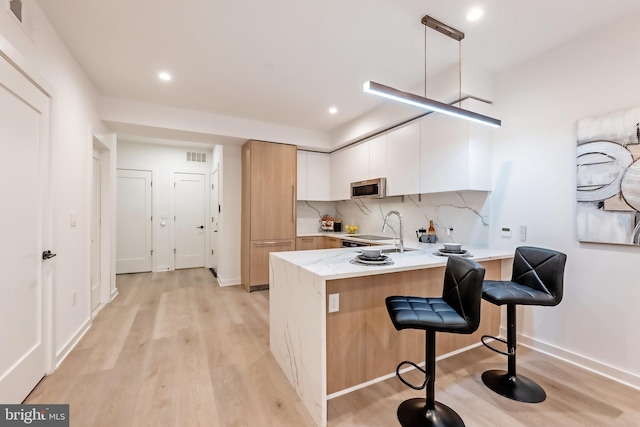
<point x="331" y="242"/>
<point x="259" y="265"/>
<point x="307" y="243"/>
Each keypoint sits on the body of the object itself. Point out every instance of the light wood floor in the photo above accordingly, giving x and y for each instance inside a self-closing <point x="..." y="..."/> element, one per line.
<point x="175" y="349"/>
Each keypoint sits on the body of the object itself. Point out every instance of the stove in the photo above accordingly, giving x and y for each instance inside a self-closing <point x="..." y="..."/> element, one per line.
<point x="368" y="237"/>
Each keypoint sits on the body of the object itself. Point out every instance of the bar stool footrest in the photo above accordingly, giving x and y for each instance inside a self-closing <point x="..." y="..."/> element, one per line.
<point x="506" y="353"/>
<point x="408" y="384"/>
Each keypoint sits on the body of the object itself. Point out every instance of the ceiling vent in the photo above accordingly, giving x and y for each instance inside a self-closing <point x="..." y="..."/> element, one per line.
<point x="16" y="8"/>
<point x="196" y="157"/>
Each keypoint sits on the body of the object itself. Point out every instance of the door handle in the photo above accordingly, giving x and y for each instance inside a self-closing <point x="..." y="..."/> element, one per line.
<point x="47" y="255"/>
<point x="202" y="226"/>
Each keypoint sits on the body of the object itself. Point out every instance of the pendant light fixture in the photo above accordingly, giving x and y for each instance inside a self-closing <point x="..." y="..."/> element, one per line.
<point x="427" y="103"/>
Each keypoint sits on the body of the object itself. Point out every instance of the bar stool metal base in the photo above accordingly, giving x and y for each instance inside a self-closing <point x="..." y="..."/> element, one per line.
<point x="514" y="387"/>
<point x="413" y="413"/>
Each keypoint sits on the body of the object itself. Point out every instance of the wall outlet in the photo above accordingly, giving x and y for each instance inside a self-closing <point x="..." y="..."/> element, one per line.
<point x="334" y="303"/>
<point x="74" y="298"/>
<point x="450" y="229"/>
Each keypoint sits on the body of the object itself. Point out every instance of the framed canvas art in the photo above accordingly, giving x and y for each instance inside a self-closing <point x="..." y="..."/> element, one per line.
<point x="608" y="178"/>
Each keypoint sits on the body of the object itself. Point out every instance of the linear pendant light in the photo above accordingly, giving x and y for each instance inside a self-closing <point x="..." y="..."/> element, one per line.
<point x="427" y="103"/>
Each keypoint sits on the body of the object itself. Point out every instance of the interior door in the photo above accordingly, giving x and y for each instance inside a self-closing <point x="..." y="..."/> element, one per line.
<point x="24" y="219"/>
<point x="190" y="220"/>
<point x="133" y="222"/>
<point x="95" y="231"/>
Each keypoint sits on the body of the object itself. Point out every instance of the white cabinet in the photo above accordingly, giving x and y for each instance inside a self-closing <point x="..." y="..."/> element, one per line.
<point x="313" y="176"/>
<point x="302" y="175"/>
<point x="455" y="154"/>
<point x="403" y="160"/>
<point x="378" y="157"/>
<point x="348" y="165"/>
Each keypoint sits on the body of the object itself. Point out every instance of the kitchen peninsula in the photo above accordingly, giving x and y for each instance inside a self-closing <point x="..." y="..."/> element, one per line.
<point x="326" y="354"/>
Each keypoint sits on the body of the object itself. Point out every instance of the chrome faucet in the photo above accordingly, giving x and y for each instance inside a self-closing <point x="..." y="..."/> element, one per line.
<point x="384" y="228"/>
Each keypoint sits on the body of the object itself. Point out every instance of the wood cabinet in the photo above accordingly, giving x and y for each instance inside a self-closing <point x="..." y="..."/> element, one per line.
<point x="307" y="243"/>
<point x="455" y="154"/>
<point x="331" y="242"/>
<point x="268" y="207"/>
<point x="313" y="176"/>
<point x="259" y="259"/>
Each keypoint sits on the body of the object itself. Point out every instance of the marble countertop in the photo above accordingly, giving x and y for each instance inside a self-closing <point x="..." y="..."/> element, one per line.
<point x="335" y="263"/>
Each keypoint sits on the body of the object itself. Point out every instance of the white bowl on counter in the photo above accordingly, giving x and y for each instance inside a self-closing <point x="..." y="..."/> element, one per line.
<point x="453" y="247"/>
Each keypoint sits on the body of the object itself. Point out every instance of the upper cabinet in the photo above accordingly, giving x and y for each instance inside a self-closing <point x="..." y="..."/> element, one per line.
<point x="378" y="157"/>
<point x="403" y="160"/>
<point x="348" y="165"/>
<point x="313" y="176"/>
<point x="432" y="154"/>
<point x="455" y="154"/>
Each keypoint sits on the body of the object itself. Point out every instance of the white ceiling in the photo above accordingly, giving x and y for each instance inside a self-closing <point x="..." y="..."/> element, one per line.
<point x="287" y="61"/>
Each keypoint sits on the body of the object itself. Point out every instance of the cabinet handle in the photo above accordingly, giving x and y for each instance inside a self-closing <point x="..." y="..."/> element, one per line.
<point x="293" y="203"/>
<point x="271" y="243"/>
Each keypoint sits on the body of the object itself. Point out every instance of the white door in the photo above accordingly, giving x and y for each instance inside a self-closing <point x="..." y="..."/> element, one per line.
<point x="95" y="231"/>
<point x="24" y="219"/>
<point x="190" y="220"/>
<point x="215" y="216"/>
<point x="133" y="222"/>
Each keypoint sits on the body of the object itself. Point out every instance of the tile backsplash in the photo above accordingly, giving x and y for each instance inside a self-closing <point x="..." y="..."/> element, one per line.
<point x="466" y="211"/>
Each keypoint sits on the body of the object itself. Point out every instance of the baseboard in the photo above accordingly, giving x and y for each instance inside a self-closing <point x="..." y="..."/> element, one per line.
<point x="114" y="294"/>
<point x="228" y="282"/>
<point x="623" y="377"/>
<point x="70" y="345"/>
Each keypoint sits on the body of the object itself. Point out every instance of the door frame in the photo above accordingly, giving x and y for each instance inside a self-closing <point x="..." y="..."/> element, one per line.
<point x="105" y="144"/>
<point x="48" y="271"/>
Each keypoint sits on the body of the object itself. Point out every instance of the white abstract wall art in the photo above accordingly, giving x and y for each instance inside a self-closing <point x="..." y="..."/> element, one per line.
<point x="608" y="178"/>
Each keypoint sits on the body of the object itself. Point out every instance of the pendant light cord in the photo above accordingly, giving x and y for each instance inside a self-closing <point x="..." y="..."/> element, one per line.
<point x="425" y="61"/>
<point x="459" y="73"/>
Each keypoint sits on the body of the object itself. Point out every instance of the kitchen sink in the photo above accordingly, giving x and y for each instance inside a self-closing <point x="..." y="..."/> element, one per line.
<point x="395" y="250"/>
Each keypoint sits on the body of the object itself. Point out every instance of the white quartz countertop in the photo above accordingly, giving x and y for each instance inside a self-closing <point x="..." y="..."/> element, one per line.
<point x="334" y="263"/>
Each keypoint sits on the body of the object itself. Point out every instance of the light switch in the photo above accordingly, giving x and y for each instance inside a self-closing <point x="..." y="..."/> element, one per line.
<point x="74" y="219"/>
<point x="523" y="233"/>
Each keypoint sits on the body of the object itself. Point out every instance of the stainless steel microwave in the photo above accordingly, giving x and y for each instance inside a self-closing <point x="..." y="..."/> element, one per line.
<point x="372" y="188"/>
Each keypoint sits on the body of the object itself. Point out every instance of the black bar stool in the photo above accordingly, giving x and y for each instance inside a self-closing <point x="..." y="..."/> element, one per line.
<point x="537" y="279"/>
<point x="457" y="311"/>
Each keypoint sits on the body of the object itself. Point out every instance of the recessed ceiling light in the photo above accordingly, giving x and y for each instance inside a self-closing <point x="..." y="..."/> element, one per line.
<point x="333" y="110"/>
<point x="474" y="14"/>
<point x="164" y="76"/>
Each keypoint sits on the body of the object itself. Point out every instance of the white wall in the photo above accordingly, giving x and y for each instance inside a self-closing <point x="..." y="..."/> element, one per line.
<point x="539" y="103"/>
<point x="230" y="216"/>
<point x="73" y="118"/>
<point x="163" y="161"/>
